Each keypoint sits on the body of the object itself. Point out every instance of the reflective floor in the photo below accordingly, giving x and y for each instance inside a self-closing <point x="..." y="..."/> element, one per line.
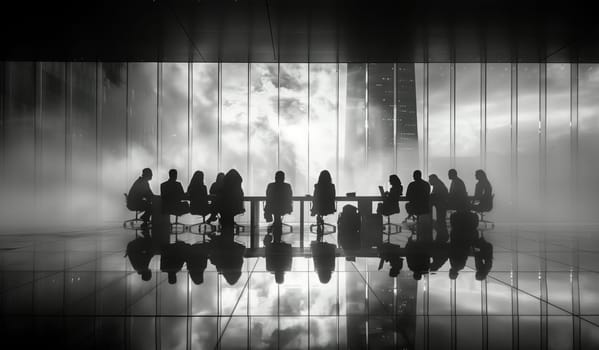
<point x="79" y="290"/>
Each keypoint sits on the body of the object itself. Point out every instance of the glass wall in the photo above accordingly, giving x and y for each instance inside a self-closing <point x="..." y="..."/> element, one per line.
<point x="73" y="131"/>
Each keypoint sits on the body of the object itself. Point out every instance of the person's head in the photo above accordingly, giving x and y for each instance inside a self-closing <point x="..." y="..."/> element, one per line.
<point x="417" y="175"/>
<point x="453" y="274"/>
<point x="197" y="277"/>
<point x="232" y="178"/>
<point x="394" y="180"/>
<point x="324" y="275"/>
<point x="146" y="274"/>
<point x="279" y="277"/>
<point x="324" y="177"/>
<point x="452" y="174"/>
<point x="147" y="174"/>
<point x="279" y="176"/>
<point x="433" y="179"/>
<point x="480" y="175"/>
<point x="172" y="277"/>
<point x="198" y="177"/>
<point x="172" y="174"/>
<point x="480" y="275"/>
<point x="232" y="276"/>
<point x="394" y="271"/>
<point x="417" y="276"/>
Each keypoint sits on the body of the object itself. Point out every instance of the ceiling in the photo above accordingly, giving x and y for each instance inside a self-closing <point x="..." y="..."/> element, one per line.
<point x="300" y="31"/>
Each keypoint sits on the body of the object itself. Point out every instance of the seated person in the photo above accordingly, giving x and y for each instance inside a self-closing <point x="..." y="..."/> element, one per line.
<point x="198" y="196"/>
<point x="278" y="203"/>
<point x="483" y="193"/>
<point x="418" y="196"/>
<point x="464" y="227"/>
<point x="323" y="202"/>
<point x="230" y="201"/>
<point x="418" y="258"/>
<point x="438" y="200"/>
<point x="390" y="203"/>
<point x="140" y="195"/>
<point x="216" y="192"/>
<point x="172" y="195"/>
<point x="349" y="225"/>
<point x="458" y="196"/>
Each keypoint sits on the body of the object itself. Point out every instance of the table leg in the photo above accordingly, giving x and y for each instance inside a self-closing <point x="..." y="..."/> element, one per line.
<point x="301" y="224"/>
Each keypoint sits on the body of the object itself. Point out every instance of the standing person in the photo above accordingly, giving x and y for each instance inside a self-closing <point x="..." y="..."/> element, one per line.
<point x="418" y="196"/>
<point x="483" y="192"/>
<point x="215" y="191"/>
<point x="140" y="195"/>
<point x="278" y="203"/>
<point x="438" y="200"/>
<point x="458" y="196"/>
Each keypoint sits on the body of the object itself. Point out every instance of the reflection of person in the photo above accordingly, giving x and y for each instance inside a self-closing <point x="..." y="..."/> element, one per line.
<point x="198" y="195"/>
<point x="438" y="200"/>
<point x="483" y="193"/>
<point x="172" y="195"/>
<point x="418" y="195"/>
<point x="227" y="256"/>
<point x="458" y="196"/>
<point x="439" y="254"/>
<point x="278" y="259"/>
<point x="390" y="203"/>
<point x="417" y="258"/>
<point x="196" y="258"/>
<point x="278" y="203"/>
<point x="323" y="255"/>
<point x="464" y="226"/>
<point x="483" y="258"/>
<point x="458" y="255"/>
<point x="140" y="195"/>
<point x="172" y="259"/>
<point x="390" y="253"/>
<point x="140" y="254"/>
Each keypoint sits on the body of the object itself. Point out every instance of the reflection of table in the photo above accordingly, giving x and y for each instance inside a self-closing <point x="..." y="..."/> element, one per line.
<point x="161" y="224"/>
<point x="364" y="207"/>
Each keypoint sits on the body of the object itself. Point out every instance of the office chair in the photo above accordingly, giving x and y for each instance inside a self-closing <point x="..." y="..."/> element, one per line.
<point x="321" y="225"/>
<point x="134" y="224"/>
<point x="269" y="227"/>
<point x="487" y="224"/>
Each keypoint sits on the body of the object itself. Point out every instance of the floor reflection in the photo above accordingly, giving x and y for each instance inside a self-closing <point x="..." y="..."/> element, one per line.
<point x="528" y="286"/>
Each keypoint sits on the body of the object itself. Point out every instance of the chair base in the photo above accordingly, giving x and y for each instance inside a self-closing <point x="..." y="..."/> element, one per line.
<point x="133" y="224"/>
<point x="178" y="228"/>
<point x="324" y="230"/>
<point x="283" y="225"/>
<point x="208" y="228"/>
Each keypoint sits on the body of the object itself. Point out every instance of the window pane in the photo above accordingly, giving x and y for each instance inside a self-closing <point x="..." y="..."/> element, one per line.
<point x="205" y="120"/>
<point x="439" y="121"/>
<point x="407" y="130"/>
<point x="174" y="126"/>
<point x="588" y="128"/>
<point x="235" y="118"/>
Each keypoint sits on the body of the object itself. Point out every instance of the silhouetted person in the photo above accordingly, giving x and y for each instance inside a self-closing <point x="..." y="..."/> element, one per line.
<point x="173" y="196"/>
<point x="197" y="260"/>
<point x="323" y="255"/>
<point x="140" y="195"/>
<point x="391" y="198"/>
<point x="483" y="258"/>
<point x="172" y="258"/>
<point x="230" y="202"/>
<point x="227" y="256"/>
<point x="458" y="196"/>
<point x="278" y="259"/>
<point x="483" y="193"/>
<point x="417" y="257"/>
<point x="140" y="253"/>
<point x="216" y="192"/>
<point x="418" y="196"/>
<point x="198" y="196"/>
<point x="323" y="201"/>
<point x="438" y="200"/>
<point x="278" y="203"/>
<point x="390" y="253"/>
